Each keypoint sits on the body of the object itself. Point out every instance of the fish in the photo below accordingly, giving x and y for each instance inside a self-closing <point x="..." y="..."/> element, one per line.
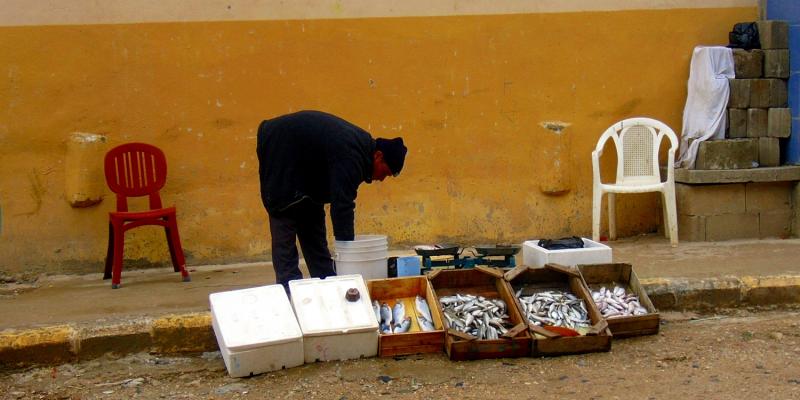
<point x="377" y="308"/>
<point x="403" y="326"/>
<point x="398" y="312"/>
<point x="386" y="314"/>
<point x="424" y="324"/>
<point x="478" y="316"/>
<point x="617" y="302"/>
<point x="385" y="328"/>
<point x="555" y="308"/>
<point x="422" y="307"/>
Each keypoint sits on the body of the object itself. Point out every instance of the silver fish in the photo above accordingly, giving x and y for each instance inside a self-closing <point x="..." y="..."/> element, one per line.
<point x="403" y="326"/>
<point x="617" y="302"/>
<point x="476" y="315"/>
<point x="377" y="308"/>
<point x="555" y="308"/>
<point x="422" y="307"/>
<point x="398" y="312"/>
<point x="385" y="328"/>
<point x="386" y="314"/>
<point x="424" y="324"/>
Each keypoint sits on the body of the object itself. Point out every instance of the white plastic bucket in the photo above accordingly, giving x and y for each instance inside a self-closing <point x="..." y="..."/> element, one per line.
<point x="361" y="241"/>
<point x="369" y="269"/>
<point x="366" y="255"/>
<point x="362" y="255"/>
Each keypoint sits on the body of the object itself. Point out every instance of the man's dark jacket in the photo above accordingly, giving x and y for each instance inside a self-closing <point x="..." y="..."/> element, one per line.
<point x="317" y="156"/>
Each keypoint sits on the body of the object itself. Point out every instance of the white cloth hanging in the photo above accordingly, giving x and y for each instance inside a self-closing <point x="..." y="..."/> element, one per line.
<point x="704" y="116"/>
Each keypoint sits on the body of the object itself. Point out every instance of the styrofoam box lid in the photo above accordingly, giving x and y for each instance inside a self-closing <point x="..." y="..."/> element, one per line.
<point x="255" y="317"/>
<point x="588" y="245"/>
<point x="322" y="309"/>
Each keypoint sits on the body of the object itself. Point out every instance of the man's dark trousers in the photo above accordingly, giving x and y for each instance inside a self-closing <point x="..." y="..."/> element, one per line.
<point x="304" y="221"/>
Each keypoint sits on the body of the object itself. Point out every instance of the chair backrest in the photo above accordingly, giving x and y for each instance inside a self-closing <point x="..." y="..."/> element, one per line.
<point x="135" y="170"/>
<point x="637" y="141"/>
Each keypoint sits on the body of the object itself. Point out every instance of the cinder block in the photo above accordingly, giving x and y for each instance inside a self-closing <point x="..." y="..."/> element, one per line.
<point x="773" y="34"/>
<point x="756" y="122"/>
<point x="704" y="200"/>
<point x="748" y="63"/>
<point x="779" y="122"/>
<point x="692" y="228"/>
<point x="759" y="93"/>
<point x="766" y="93"/>
<point x="768" y="196"/>
<point x="776" y="63"/>
<point x="769" y="152"/>
<point x="727" y="154"/>
<point x="778" y="93"/>
<point x="731" y="226"/>
<point x="739" y="96"/>
<point x="737" y="123"/>
<point x="775" y="224"/>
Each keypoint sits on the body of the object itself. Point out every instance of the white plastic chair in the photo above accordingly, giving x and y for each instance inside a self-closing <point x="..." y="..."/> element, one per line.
<point x="637" y="141"/>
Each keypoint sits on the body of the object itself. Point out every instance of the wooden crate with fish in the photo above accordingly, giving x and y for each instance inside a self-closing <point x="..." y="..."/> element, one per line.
<point x="619" y="296"/>
<point x="477" y="308"/>
<point x="403" y="307"/>
<point x="558" y="310"/>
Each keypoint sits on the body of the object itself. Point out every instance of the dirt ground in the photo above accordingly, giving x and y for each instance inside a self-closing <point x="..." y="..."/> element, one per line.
<point x="734" y="354"/>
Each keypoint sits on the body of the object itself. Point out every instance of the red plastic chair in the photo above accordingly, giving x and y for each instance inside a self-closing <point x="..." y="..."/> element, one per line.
<point x="136" y="170"/>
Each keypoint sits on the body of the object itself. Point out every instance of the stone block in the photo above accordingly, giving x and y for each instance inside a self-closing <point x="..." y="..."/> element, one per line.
<point x="779" y="122"/>
<point x="773" y="34"/>
<point x="737" y="123"/>
<point x="692" y="228"/>
<point x="775" y="223"/>
<point x="756" y="122"/>
<point x="731" y="226"/>
<point x="768" y="196"/>
<point x="739" y="95"/>
<point x="759" y="93"/>
<point x="748" y="63"/>
<point x="727" y="154"/>
<point x="769" y="152"/>
<point x="778" y="93"/>
<point x="766" y="93"/>
<point x="776" y="63"/>
<point x="703" y="200"/>
<point x="769" y="174"/>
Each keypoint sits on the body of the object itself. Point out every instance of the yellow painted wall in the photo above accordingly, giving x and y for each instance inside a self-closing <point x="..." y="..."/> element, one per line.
<point x="470" y="95"/>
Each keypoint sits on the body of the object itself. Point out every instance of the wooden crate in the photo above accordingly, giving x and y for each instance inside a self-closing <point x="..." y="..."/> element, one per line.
<point x="609" y="275"/>
<point x="489" y="283"/>
<point x="415" y="340"/>
<point x="556" y="277"/>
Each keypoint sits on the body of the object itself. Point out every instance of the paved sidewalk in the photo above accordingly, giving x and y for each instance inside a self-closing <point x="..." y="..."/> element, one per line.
<point x="72" y="309"/>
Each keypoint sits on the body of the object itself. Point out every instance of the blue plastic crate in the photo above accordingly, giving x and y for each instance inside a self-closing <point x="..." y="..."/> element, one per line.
<point x="408" y="266"/>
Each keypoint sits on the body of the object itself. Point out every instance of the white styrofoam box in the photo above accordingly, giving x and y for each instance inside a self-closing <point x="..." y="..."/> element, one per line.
<point x="333" y="327"/>
<point x="256" y="330"/>
<point x="592" y="253"/>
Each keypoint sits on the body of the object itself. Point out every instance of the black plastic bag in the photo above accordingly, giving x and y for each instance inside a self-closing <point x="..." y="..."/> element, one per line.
<point x="744" y="36"/>
<point x="573" y="242"/>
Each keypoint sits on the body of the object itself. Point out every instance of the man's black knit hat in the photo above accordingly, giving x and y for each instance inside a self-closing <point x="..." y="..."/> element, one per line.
<point x="394" y="153"/>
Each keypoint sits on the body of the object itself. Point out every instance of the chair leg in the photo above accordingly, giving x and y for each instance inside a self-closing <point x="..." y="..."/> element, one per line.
<point x="597" y="200"/>
<point x="665" y="214"/>
<point x="119" y="244"/>
<point x="612" y="216"/>
<point x="672" y="214"/>
<point x="175" y="249"/>
<point x="109" y="252"/>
